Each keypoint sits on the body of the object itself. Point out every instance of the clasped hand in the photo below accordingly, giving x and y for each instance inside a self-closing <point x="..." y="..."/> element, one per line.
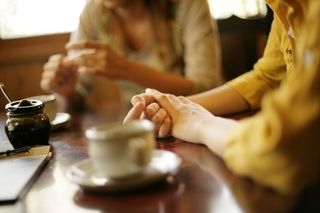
<point x="96" y="58"/>
<point x="172" y="115"/>
<point x="61" y="72"/>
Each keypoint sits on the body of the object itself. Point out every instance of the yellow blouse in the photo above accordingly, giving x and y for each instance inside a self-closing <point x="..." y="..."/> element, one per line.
<point x="280" y="146"/>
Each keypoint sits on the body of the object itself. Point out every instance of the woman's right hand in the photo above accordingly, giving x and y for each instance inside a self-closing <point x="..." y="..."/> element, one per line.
<point x="171" y="114"/>
<point x="59" y="76"/>
<point x="145" y="107"/>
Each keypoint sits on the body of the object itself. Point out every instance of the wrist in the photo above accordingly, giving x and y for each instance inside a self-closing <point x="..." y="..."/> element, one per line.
<point x="216" y="132"/>
<point x="124" y="68"/>
<point x="204" y="128"/>
<point x="69" y="102"/>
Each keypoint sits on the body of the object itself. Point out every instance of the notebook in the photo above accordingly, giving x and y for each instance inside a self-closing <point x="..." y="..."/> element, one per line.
<point x="17" y="172"/>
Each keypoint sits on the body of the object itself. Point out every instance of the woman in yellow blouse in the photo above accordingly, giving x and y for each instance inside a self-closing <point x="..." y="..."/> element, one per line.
<point x="279" y="146"/>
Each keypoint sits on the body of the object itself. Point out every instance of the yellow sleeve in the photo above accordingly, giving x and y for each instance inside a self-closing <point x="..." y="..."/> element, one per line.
<point x="268" y="72"/>
<point x="280" y="147"/>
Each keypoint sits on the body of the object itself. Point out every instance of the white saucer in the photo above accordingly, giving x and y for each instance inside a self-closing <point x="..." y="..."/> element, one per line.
<point x="60" y="121"/>
<point x="162" y="164"/>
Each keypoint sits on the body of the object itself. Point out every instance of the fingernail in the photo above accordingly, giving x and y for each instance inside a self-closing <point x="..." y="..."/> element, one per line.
<point x="67" y="45"/>
<point x="148" y="90"/>
<point x="135" y="100"/>
<point x="66" y="61"/>
<point x="141" y="104"/>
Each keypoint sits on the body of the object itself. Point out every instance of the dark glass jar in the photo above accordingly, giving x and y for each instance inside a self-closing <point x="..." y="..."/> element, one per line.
<point x="27" y="124"/>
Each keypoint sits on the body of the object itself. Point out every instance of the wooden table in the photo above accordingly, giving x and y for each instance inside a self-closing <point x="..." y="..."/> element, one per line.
<point x="203" y="183"/>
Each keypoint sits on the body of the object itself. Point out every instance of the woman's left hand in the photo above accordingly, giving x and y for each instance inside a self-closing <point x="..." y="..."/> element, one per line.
<point x="145" y="107"/>
<point x="186" y="118"/>
<point x="97" y="58"/>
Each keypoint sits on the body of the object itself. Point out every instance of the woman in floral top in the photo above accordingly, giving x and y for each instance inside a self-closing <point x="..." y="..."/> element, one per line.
<point x="170" y="46"/>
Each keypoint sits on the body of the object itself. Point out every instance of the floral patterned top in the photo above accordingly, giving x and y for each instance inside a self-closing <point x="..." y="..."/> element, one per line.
<point x="193" y="50"/>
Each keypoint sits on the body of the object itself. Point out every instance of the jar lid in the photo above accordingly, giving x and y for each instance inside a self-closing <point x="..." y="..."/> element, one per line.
<point x="24" y="106"/>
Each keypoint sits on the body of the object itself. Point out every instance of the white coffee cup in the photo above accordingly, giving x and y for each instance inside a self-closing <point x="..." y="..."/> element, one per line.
<point x="121" y="150"/>
<point x="50" y="105"/>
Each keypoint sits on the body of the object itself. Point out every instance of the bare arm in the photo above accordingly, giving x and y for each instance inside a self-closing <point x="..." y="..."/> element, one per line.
<point x="71" y="103"/>
<point x="60" y="76"/>
<point x="221" y="100"/>
<point x="207" y="129"/>
<point x="214" y="133"/>
<point x="103" y="61"/>
<point x="163" y="81"/>
<point x="248" y="89"/>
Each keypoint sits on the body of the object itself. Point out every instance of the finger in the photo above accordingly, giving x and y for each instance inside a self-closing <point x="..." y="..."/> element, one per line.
<point x="85" y="44"/>
<point x="50" y="67"/>
<point x="56" y="65"/>
<point x="47" y="75"/>
<point x="135" y="99"/>
<point x="53" y="74"/>
<point x="67" y="61"/>
<point x="45" y="84"/>
<point x="65" y="74"/>
<point x="87" y="70"/>
<point x="54" y="62"/>
<point x="73" y="70"/>
<point x="135" y="112"/>
<point x="168" y="102"/>
<point x="56" y="57"/>
<point x="158" y="118"/>
<point x="184" y="100"/>
<point x="151" y="110"/>
<point x="164" y="130"/>
<point x="145" y="98"/>
<point x="84" y="60"/>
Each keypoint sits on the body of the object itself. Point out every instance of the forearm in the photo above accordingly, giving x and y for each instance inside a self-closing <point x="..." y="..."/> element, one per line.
<point x="163" y="81"/>
<point x="71" y="103"/>
<point x="214" y="133"/>
<point x="221" y="100"/>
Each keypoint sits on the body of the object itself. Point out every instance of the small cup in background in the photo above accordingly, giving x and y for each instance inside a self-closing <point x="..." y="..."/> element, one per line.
<point x="121" y="150"/>
<point x="50" y="105"/>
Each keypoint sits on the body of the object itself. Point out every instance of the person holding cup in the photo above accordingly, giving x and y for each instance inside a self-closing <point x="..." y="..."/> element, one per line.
<point x="279" y="145"/>
<point x="168" y="45"/>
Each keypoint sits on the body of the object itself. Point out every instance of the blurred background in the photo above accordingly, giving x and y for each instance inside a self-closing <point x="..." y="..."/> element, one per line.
<point x="32" y="30"/>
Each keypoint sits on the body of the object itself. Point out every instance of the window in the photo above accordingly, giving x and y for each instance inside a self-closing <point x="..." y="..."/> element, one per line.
<point x="23" y="18"/>
<point x="246" y="9"/>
